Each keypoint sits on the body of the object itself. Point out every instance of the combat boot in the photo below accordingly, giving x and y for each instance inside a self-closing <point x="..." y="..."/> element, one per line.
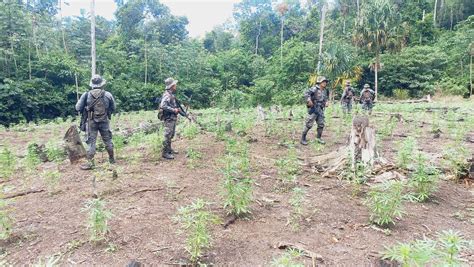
<point x="168" y="155"/>
<point x="318" y="138"/>
<point x="303" y="140"/>
<point x="89" y="165"/>
<point x="111" y="156"/>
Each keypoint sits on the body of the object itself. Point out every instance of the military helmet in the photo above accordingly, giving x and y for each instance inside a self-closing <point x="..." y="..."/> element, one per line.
<point x="366" y="85"/>
<point x="169" y="82"/>
<point x="97" y="81"/>
<point x="321" y="79"/>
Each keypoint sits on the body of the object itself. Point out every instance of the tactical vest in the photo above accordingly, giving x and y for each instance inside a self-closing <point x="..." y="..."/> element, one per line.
<point x="99" y="109"/>
<point x="366" y="95"/>
<point x="318" y="95"/>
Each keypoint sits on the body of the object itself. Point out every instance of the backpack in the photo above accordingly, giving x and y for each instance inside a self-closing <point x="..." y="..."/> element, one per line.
<point x="99" y="110"/>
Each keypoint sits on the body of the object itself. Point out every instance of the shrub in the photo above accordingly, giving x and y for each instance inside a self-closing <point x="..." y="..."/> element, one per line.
<point x="424" y="179"/>
<point x="195" y="220"/>
<point x="405" y="152"/>
<point x="445" y="251"/>
<point x="385" y="202"/>
<point x="97" y="221"/>
<point x="288" y="259"/>
<point x="401" y="94"/>
<point x="7" y="163"/>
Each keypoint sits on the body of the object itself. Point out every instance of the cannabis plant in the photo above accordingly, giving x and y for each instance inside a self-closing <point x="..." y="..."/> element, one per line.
<point x="195" y="221"/>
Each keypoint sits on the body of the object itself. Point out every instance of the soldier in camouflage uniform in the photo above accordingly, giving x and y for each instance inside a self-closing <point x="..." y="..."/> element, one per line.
<point x="367" y="96"/>
<point x="99" y="105"/>
<point x="170" y="115"/>
<point x="347" y="98"/>
<point x="316" y="100"/>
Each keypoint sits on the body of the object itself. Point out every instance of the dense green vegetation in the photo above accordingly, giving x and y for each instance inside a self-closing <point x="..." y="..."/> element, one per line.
<point x="269" y="55"/>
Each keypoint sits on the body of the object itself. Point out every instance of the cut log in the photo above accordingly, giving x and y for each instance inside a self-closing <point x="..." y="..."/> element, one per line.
<point x="426" y="99"/>
<point x="73" y="144"/>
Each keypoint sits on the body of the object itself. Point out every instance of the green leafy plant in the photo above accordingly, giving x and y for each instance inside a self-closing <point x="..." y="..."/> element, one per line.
<point x="455" y="159"/>
<point x="7" y="163"/>
<point x="385" y="202"/>
<point x="288" y="167"/>
<point x="405" y="152"/>
<point x="190" y="130"/>
<point x="32" y="158"/>
<point x="193" y="155"/>
<point x="424" y="179"/>
<point x="97" y="221"/>
<point x="237" y="183"/>
<point x="450" y="244"/>
<point x="296" y="202"/>
<point x="195" y="221"/>
<point x="6" y="222"/>
<point x="445" y="251"/>
<point x="51" y="178"/>
<point x="48" y="261"/>
<point x="401" y="94"/>
<point x="55" y="152"/>
<point x="288" y="259"/>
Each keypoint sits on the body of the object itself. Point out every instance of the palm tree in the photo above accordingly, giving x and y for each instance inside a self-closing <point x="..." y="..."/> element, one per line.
<point x="93" y="58"/>
<point x="282" y="9"/>
<point x="378" y="29"/>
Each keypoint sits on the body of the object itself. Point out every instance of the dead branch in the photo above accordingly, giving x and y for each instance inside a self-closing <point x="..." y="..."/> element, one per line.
<point x="24" y="193"/>
<point x="306" y="253"/>
<point x="146" y="190"/>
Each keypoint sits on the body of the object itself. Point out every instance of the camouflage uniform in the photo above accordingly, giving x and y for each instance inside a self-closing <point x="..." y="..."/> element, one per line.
<point x="169" y="106"/>
<point x="347" y="98"/>
<point x="367" y="98"/>
<point x="318" y="97"/>
<point x="98" y="124"/>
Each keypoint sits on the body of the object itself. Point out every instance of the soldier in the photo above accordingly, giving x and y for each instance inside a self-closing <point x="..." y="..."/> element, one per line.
<point x="367" y="98"/>
<point x="170" y="115"/>
<point x="316" y="100"/>
<point x="347" y="98"/>
<point x="98" y="105"/>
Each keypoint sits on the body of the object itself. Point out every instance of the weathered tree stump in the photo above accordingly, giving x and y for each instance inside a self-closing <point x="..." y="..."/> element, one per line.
<point x="362" y="142"/>
<point x="360" y="149"/>
<point x="73" y="145"/>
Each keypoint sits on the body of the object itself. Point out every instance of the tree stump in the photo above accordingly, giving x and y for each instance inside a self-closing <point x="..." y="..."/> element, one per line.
<point x="362" y="142"/>
<point x="73" y="144"/>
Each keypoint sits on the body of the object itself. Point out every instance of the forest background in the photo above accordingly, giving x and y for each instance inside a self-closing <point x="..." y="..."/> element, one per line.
<point x="269" y="54"/>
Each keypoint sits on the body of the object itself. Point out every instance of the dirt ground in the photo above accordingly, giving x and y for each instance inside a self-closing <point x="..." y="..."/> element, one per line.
<point x="336" y="223"/>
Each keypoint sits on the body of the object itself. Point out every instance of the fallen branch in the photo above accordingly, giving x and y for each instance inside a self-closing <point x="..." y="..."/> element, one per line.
<point x="305" y="252"/>
<point x="146" y="190"/>
<point x="23" y="193"/>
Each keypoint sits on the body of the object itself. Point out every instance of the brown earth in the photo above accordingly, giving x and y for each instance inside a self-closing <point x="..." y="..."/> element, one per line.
<point x="142" y="227"/>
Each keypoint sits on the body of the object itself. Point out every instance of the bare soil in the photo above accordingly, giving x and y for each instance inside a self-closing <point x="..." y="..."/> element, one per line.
<point x="336" y="223"/>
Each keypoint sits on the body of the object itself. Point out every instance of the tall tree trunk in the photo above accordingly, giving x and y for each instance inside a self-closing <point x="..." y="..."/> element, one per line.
<point x="321" y="37"/>
<point x="434" y="12"/>
<point x="470" y="75"/>
<point x="258" y="36"/>
<point x="146" y="61"/>
<point x="281" y="43"/>
<point x="451" y="27"/>
<point x="29" y="58"/>
<point x="358" y="8"/>
<point x="377" y="63"/>
<point x="61" y="26"/>
<point x="93" y="56"/>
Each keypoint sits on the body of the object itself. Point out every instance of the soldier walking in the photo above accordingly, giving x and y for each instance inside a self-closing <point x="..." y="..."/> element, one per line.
<point x="98" y="105"/>
<point x="316" y="100"/>
<point x="347" y="98"/>
<point x="170" y="110"/>
<point x="367" y="96"/>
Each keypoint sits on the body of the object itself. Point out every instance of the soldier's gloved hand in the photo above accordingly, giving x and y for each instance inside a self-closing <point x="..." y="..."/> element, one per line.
<point x="327" y="104"/>
<point x="176" y="110"/>
<point x="310" y="104"/>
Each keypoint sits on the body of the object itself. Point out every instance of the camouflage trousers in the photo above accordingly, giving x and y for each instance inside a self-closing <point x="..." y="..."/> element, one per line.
<point x="170" y="128"/>
<point x="104" y="129"/>
<point x="367" y="105"/>
<point x="317" y="117"/>
<point x="346" y="106"/>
